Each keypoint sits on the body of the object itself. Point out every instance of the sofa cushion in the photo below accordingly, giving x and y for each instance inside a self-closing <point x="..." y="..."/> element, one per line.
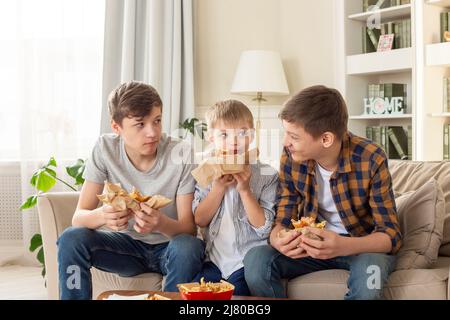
<point x="417" y="284"/>
<point x="410" y="175"/>
<point x="321" y="285"/>
<point x="104" y="281"/>
<point x="446" y="239"/>
<point x="421" y="215"/>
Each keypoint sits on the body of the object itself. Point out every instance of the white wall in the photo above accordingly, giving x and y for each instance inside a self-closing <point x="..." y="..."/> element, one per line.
<point x="301" y="30"/>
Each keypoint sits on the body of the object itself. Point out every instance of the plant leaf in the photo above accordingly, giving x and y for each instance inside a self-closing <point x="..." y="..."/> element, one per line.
<point x="51" y="162"/>
<point x="200" y="129"/>
<point x="40" y="256"/>
<point x="76" y="171"/>
<point x="29" y="203"/>
<point x="35" y="242"/>
<point x="35" y="176"/>
<point x="45" y="181"/>
<point x="50" y="172"/>
<point x="43" y="275"/>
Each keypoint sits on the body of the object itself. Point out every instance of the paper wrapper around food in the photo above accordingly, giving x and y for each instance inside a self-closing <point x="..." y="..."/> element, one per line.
<point x="301" y="226"/>
<point x="219" y="165"/>
<point x="285" y="232"/>
<point x="117" y="197"/>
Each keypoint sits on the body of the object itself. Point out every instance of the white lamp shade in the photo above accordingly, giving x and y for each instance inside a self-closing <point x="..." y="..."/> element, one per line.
<point x="260" y="71"/>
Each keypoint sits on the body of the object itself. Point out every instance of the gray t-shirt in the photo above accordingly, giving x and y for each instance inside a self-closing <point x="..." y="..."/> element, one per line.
<point x="170" y="175"/>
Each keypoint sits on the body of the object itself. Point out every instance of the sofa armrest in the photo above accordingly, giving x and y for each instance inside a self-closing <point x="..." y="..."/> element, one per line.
<point x="55" y="215"/>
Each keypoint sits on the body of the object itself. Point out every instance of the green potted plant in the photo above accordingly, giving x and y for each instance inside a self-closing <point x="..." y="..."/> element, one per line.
<point x="194" y="126"/>
<point x="42" y="181"/>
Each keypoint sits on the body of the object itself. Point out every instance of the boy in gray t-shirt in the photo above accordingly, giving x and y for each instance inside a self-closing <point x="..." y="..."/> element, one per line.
<point x="133" y="242"/>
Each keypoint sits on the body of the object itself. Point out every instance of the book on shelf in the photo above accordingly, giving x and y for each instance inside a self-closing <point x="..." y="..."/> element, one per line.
<point x="408" y="33"/>
<point x="376" y="134"/>
<point x="374" y="36"/>
<point x="399" y="141"/>
<point x="410" y="133"/>
<point x="369" y="133"/>
<point x="446" y="95"/>
<point x="401" y="30"/>
<point x="446" y="142"/>
<point x="387" y="90"/>
<point x="384" y="141"/>
<point x="445" y="25"/>
<point x="383" y="3"/>
<point x="367" y="45"/>
<point x="393" y="139"/>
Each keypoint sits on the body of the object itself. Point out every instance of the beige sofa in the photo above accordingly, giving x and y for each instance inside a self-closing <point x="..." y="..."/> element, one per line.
<point x="56" y="210"/>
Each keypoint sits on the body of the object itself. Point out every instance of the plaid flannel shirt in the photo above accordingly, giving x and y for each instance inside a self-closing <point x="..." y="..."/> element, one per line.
<point x="361" y="189"/>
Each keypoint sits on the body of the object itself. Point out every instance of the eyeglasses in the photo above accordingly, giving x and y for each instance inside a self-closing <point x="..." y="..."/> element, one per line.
<point x="232" y="133"/>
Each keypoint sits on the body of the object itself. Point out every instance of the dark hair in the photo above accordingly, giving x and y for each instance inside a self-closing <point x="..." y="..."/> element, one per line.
<point x="132" y="99"/>
<point x="317" y="109"/>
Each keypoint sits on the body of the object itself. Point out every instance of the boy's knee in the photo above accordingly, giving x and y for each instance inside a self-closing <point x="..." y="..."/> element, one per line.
<point x="369" y="273"/>
<point x="375" y="262"/>
<point x="257" y="262"/>
<point x="257" y="256"/>
<point x="74" y="236"/>
<point x="185" y="245"/>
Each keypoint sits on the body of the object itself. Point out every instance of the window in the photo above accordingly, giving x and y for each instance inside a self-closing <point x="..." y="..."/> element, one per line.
<point x="51" y="57"/>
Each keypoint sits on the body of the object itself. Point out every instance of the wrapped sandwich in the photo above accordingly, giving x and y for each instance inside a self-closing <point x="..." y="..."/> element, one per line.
<point x="117" y="197"/>
<point x="221" y="163"/>
<point x="301" y="226"/>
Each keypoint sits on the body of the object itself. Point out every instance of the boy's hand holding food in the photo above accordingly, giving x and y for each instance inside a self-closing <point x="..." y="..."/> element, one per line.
<point x="223" y="182"/>
<point x="116" y="220"/>
<point x="147" y="219"/>
<point x="243" y="179"/>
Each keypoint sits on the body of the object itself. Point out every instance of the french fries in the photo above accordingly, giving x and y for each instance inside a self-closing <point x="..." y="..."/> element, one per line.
<point x="157" y="297"/>
<point x="203" y="286"/>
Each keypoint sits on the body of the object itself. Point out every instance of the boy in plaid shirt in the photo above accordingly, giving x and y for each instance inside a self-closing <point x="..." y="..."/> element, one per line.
<point x="329" y="174"/>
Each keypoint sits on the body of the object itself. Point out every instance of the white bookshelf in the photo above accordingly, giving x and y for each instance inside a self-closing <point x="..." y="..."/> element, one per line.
<point x="439" y="3"/>
<point x="387" y="14"/>
<point x="440" y="115"/>
<point x="438" y="54"/>
<point x="422" y="67"/>
<point x="381" y="117"/>
<point x="380" y="62"/>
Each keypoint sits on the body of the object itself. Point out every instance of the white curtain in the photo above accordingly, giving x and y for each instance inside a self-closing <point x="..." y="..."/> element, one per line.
<point x="51" y="54"/>
<point x="151" y="41"/>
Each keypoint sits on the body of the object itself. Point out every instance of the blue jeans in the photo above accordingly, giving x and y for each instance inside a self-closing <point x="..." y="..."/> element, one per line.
<point x="265" y="267"/>
<point x="212" y="273"/>
<point x="79" y="249"/>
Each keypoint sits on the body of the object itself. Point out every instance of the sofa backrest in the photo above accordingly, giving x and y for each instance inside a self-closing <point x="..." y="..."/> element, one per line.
<point x="410" y="175"/>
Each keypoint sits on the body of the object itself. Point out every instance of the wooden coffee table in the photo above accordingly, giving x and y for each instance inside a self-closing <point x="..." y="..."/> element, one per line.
<point x="170" y="295"/>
